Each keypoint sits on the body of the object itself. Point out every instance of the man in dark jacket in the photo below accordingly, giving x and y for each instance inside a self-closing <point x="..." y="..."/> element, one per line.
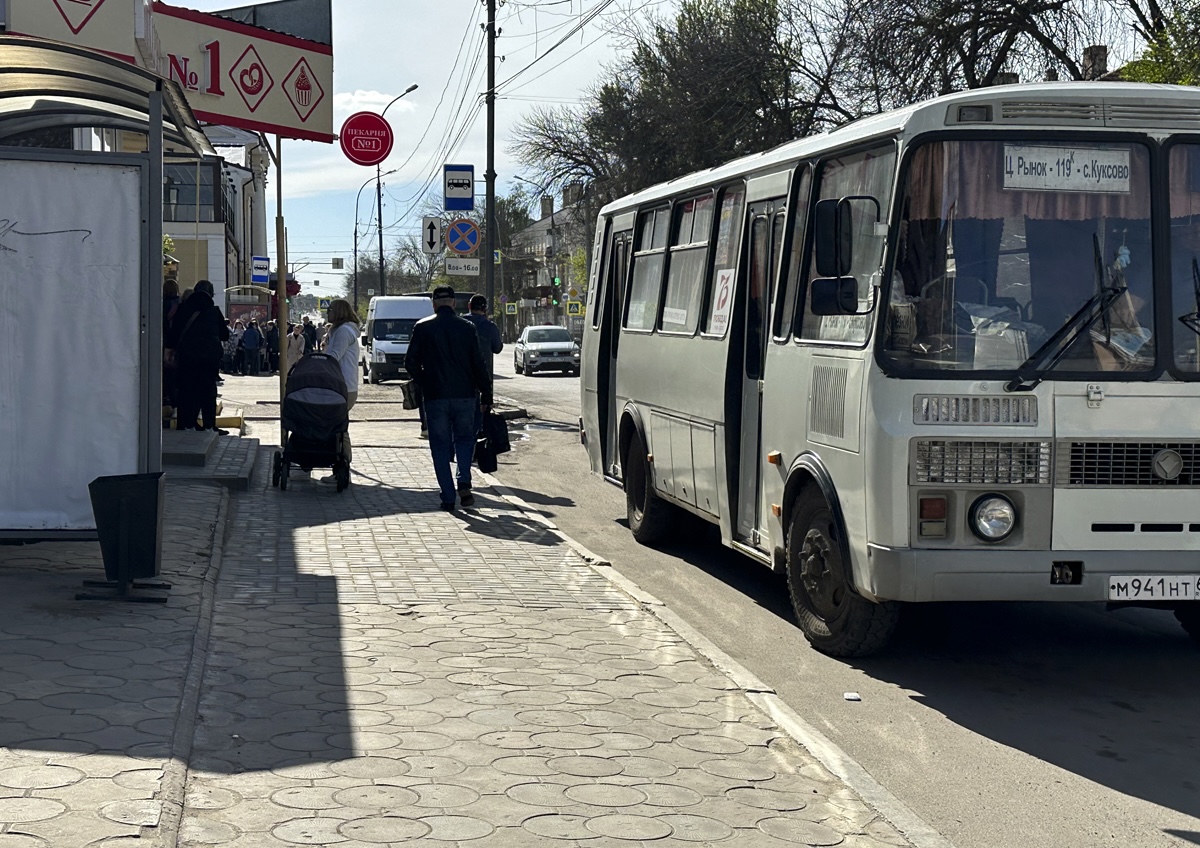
<point x="490" y="342"/>
<point x="197" y="334"/>
<point x="272" y="336"/>
<point x="310" y="336"/>
<point x="445" y="360"/>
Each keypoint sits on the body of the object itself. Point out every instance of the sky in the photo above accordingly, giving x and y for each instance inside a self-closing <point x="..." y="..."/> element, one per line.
<point x="380" y="48"/>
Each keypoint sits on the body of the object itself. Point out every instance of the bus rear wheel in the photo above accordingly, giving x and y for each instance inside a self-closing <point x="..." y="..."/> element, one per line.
<point x="1189" y="616"/>
<point x="834" y="619"/>
<point x="651" y="519"/>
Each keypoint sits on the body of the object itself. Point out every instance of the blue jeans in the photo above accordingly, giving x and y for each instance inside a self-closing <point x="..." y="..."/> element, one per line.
<point x="451" y="434"/>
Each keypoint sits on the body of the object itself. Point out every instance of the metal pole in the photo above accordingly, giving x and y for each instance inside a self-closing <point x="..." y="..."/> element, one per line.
<point x="150" y="395"/>
<point x="379" y="223"/>
<point x="356" y="258"/>
<point x="490" y="174"/>
<point x="281" y="275"/>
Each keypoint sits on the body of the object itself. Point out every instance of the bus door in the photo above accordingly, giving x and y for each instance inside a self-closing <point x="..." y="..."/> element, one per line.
<point x="766" y="222"/>
<point x="616" y="268"/>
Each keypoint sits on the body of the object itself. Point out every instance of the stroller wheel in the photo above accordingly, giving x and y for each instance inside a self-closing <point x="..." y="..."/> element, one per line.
<point x="275" y="467"/>
<point x="283" y="477"/>
<point x="342" y="472"/>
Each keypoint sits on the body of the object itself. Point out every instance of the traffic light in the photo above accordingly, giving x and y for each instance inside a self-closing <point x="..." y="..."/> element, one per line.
<point x="558" y="281"/>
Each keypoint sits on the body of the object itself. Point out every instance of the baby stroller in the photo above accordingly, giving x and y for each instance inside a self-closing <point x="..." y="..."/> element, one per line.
<point x="316" y="419"/>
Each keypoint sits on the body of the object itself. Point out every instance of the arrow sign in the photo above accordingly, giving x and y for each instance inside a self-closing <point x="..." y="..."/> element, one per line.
<point x="431" y="235"/>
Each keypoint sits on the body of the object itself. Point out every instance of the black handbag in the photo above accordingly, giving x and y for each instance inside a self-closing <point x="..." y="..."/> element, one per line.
<point x="411" y="393"/>
<point x="485" y="455"/>
<point x="495" y="430"/>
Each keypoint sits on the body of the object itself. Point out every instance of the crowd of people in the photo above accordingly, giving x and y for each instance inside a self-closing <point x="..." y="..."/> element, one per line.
<point x="200" y="343"/>
<point x="252" y="350"/>
<point x="449" y="358"/>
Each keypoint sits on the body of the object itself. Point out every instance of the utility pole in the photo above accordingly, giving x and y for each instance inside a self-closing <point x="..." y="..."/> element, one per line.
<point x="490" y="174"/>
<point x="379" y="224"/>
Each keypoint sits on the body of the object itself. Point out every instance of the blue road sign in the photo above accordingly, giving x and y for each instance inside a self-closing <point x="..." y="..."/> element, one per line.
<point x="462" y="236"/>
<point x="458" y="187"/>
<point x="260" y="270"/>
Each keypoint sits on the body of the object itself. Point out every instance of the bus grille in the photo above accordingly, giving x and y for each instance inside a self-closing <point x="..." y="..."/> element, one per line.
<point x="967" y="409"/>
<point x="1126" y="464"/>
<point x="981" y="462"/>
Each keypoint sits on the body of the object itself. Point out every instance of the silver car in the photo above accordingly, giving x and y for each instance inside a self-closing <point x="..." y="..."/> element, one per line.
<point x="546" y="348"/>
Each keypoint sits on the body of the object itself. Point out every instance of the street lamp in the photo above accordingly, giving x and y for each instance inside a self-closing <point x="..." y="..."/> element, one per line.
<point x="356" y="200"/>
<point x="379" y="195"/>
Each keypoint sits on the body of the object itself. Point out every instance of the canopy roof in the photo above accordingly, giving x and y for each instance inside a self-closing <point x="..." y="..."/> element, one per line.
<point x="50" y="85"/>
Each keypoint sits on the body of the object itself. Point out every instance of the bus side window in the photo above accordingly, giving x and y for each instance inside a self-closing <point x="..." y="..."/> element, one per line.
<point x="719" y="307"/>
<point x="685" y="271"/>
<point x="871" y="173"/>
<point x="645" y="282"/>
<point x="785" y="304"/>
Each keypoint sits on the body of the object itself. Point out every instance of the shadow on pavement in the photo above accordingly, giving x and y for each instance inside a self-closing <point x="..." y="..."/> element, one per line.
<point x="1107" y="696"/>
<point x="275" y="691"/>
<point x="541" y="499"/>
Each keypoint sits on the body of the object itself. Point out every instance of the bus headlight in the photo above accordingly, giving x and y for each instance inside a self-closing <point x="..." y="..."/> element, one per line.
<point x="992" y="518"/>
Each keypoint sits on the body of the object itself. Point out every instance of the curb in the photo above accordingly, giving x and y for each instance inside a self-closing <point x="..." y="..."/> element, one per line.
<point x="173" y="787"/>
<point x="821" y="747"/>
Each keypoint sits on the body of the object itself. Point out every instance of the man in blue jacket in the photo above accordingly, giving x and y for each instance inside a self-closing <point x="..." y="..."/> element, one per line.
<point x="445" y="360"/>
<point x="252" y="341"/>
<point x="489" y="341"/>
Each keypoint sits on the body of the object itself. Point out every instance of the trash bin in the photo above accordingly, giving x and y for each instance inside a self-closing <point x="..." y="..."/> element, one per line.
<point x="128" y="509"/>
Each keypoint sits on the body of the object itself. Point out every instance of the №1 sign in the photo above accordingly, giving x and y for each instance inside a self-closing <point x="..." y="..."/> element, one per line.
<point x="231" y="73"/>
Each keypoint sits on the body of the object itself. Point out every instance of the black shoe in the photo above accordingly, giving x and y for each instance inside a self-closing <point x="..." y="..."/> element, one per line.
<point x="447" y="507"/>
<point x="465" y="497"/>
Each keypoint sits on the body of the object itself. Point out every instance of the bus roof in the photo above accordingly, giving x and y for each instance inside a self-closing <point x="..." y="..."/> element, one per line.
<point x="1064" y="105"/>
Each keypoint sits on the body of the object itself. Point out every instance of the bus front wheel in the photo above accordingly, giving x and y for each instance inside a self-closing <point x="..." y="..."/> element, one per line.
<point x="834" y="619"/>
<point x="650" y="517"/>
<point x="1189" y="616"/>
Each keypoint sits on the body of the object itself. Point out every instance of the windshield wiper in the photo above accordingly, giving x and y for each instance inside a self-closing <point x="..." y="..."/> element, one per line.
<point x="1031" y="372"/>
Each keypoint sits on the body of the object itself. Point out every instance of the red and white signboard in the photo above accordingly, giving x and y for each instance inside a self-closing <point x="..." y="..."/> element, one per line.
<point x="77" y="12"/>
<point x="366" y="138"/>
<point x="231" y="73"/>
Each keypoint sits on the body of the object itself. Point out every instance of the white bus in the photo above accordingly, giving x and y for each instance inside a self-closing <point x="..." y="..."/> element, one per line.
<point x="947" y="353"/>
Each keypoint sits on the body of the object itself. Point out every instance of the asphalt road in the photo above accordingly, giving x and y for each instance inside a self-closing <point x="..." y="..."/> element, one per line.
<point x="1026" y="725"/>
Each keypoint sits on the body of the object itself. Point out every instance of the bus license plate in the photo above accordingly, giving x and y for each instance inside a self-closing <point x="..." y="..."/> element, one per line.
<point x="1148" y="587"/>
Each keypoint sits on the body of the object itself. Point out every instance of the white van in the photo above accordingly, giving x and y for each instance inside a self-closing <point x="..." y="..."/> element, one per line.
<point x="390" y="322"/>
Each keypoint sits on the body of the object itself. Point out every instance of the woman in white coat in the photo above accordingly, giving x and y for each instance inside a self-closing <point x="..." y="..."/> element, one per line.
<point x="295" y="345"/>
<point x="342" y="343"/>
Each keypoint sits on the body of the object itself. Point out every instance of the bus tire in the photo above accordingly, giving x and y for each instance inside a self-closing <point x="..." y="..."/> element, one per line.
<point x="834" y="619"/>
<point x="651" y="519"/>
<point x="1188" y="615"/>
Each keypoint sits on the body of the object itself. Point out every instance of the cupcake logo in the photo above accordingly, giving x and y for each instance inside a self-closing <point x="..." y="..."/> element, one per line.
<point x="303" y="89"/>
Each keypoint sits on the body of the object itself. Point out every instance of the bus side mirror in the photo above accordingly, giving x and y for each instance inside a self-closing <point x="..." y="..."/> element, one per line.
<point x="834" y="296"/>
<point x="833" y="237"/>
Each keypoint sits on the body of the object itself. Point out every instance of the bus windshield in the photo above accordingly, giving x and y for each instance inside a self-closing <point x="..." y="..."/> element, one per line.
<point x="394" y="329"/>
<point x="1003" y="242"/>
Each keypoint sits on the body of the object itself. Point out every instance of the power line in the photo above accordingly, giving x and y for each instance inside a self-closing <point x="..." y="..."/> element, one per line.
<point x="584" y="21"/>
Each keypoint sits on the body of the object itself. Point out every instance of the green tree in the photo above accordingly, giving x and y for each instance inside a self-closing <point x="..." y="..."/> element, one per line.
<point x="1173" y="53"/>
<point x="714" y="83"/>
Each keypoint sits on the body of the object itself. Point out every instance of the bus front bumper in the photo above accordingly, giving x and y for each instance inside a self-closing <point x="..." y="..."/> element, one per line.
<point x="907" y="574"/>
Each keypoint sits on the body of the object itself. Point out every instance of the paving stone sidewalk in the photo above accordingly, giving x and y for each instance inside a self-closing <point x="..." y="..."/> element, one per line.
<point x="90" y="690"/>
<point x="381" y="673"/>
